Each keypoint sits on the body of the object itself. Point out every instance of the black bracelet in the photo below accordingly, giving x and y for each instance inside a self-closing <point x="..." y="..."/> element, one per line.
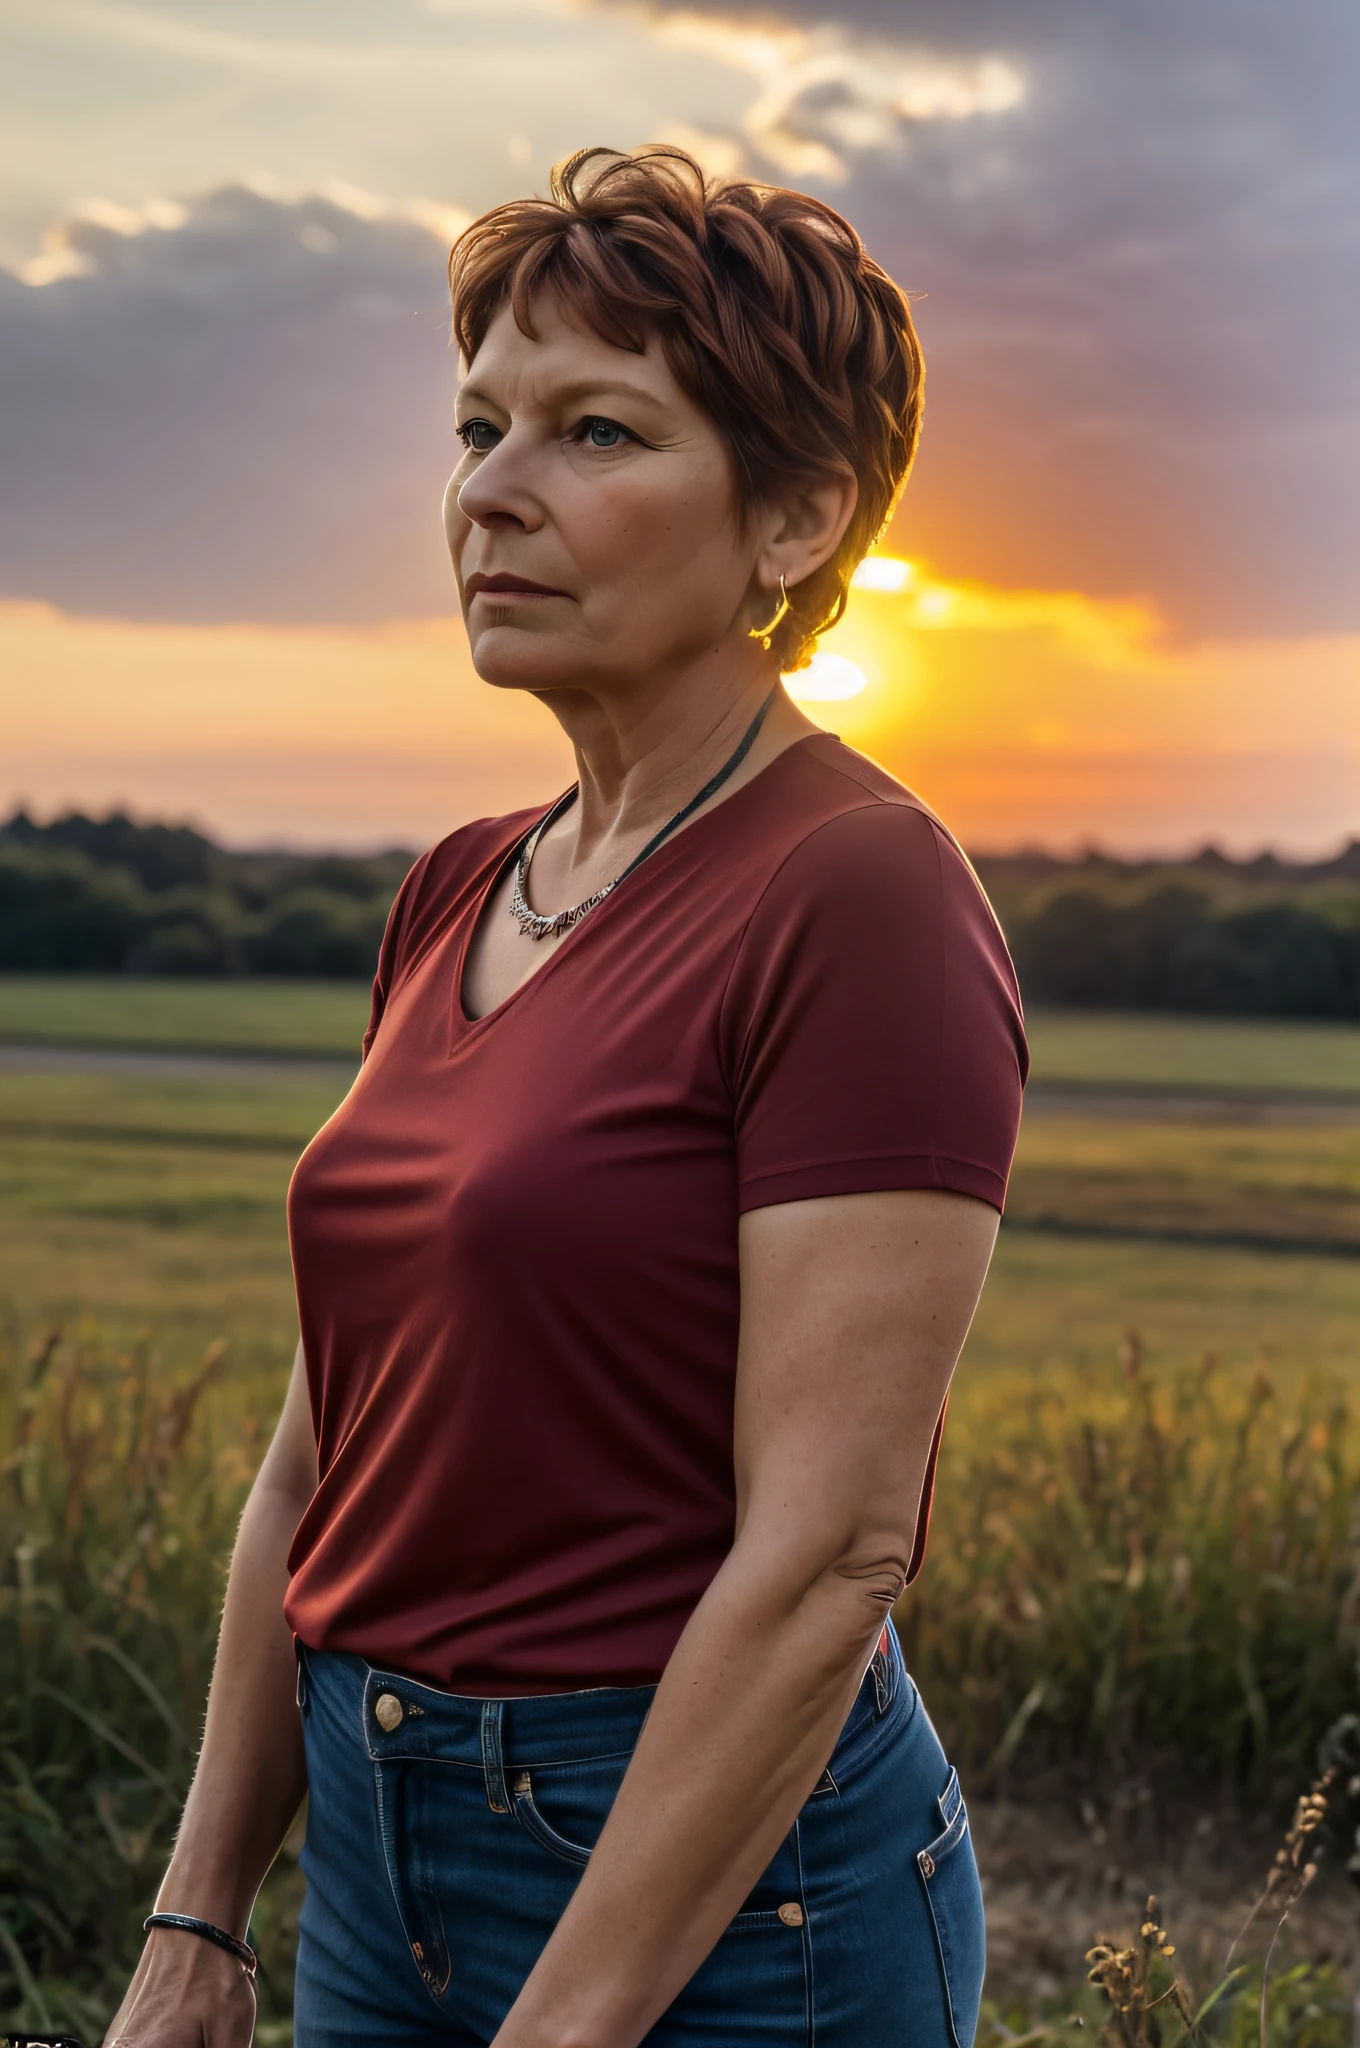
<point x="188" y="1923"/>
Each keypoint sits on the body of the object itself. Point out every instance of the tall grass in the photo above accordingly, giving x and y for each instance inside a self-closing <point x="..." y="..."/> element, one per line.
<point x="118" y="1501"/>
<point x="1125" y="1574"/>
<point x="1136" y="1572"/>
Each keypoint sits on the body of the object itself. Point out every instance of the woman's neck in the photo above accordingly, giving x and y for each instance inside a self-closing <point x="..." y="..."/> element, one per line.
<point x="639" y="763"/>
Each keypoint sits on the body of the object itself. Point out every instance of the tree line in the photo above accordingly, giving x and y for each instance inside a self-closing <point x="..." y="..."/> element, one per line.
<point x="1261" y="938"/>
<point x="85" y="895"/>
<point x="1266" y="938"/>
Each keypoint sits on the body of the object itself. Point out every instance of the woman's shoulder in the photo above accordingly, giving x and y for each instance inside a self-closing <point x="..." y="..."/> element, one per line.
<point x="871" y="1026"/>
<point x="458" y="862"/>
<point x="870" y="889"/>
<point x="467" y="849"/>
<point x="845" y="815"/>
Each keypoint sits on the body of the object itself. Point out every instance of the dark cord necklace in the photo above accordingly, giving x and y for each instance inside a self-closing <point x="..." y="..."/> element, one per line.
<point x="535" y="927"/>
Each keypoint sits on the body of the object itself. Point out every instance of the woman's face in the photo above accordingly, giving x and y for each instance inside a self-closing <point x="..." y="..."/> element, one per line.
<point x="593" y="517"/>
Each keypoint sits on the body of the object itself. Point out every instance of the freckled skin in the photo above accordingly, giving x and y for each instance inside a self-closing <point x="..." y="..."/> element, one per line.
<point x="644" y="654"/>
<point x="643" y="537"/>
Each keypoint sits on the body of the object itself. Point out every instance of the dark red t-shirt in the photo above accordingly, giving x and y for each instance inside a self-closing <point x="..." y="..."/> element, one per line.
<point x="515" y="1242"/>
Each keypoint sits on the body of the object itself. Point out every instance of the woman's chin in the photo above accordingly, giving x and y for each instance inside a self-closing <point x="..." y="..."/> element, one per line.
<point x="513" y="658"/>
<point x="509" y="658"/>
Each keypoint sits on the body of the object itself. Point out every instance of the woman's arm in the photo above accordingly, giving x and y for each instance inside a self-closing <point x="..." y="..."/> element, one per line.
<point x="854" y="1310"/>
<point x="251" y="1774"/>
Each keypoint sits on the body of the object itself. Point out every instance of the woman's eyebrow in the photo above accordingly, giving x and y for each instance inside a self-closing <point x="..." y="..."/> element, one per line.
<point x="567" y="394"/>
<point x="603" y="387"/>
<point x="474" y="395"/>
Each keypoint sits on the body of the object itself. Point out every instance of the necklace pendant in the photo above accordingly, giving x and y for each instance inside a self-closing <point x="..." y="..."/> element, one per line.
<point x="535" y="927"/>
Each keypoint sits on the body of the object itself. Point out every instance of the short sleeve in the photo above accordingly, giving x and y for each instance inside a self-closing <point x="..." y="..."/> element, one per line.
<point x="872" y="1029"/>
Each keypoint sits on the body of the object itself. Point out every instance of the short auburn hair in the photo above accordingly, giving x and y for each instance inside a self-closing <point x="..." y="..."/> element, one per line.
<point x="769" y="312"/>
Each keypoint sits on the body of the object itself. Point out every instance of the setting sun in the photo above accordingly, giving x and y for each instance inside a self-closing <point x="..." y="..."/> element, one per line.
<point x="827" y="679"/>
<point x="883" y="572"/>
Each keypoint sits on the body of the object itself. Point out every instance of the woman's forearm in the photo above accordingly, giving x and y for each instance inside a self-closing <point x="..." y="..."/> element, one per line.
<point x="744" y="1721"/>
<point x="251" y="1774"/>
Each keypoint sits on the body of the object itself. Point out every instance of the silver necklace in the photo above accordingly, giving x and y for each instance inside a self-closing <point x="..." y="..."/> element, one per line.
<point x="535" y="927"/>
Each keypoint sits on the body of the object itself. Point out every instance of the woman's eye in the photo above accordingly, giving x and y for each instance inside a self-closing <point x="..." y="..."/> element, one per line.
<point x="479" y="436"/>
<point x="600" y="433"/>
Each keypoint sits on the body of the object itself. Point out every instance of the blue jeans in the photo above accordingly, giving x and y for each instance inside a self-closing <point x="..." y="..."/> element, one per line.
<point x="445" y="1836"/>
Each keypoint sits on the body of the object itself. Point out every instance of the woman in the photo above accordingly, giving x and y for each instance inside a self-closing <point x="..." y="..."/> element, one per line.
<point x="634" y="1267"/>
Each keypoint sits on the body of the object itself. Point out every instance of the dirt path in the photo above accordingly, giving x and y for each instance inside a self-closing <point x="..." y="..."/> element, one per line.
<point x="1137" y="1102"/>
<point x="164" y="1064"/>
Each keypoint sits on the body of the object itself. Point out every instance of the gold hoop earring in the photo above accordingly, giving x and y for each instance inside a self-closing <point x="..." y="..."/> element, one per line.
<point x="762" y="633"/>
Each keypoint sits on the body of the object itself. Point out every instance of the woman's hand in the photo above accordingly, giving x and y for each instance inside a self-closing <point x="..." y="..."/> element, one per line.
<point x="185" y="1994"/>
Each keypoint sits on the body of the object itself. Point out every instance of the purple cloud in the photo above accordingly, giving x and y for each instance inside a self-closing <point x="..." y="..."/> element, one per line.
<point x="1138" y="285"/>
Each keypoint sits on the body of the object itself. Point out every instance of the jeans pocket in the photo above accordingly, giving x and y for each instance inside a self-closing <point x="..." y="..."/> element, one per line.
<point x="583" y="1804"/>
<point x="543" y="1832"/>
<point x="949" y="1875"/>
<point x="407" y="1838"/>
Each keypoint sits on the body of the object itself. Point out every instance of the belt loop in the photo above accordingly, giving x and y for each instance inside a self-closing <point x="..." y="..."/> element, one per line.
<point x="303" y="1700"/>
<point x="493" y="1758"/>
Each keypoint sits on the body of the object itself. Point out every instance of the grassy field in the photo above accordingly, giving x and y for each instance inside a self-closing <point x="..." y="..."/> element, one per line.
<point x="148" y="1192"/>
<point x="1213" y="1053"/>
<point x="256" y="1016"/>
<point x="320" y="1017"/>
<point x="1126" y="1569"/>
<point x="150" y="1202"/>
<point x="188" y="1241"/>
<point x="1280" y="1183"/>
<point x="152" y="1193"/>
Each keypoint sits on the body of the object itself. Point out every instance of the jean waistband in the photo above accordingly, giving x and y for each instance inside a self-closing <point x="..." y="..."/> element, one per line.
<point x="396" y="1715"/>
<point x="401" y="1717"/>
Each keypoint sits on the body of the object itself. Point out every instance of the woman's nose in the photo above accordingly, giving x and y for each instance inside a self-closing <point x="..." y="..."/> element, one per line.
<point x="500" y="488"/>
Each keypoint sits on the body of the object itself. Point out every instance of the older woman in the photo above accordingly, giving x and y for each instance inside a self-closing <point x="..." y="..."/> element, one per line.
<point x="634" y="1267"/>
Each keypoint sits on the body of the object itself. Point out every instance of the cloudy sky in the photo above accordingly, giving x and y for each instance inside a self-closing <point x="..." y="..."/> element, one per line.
<point x="225" y="393"/>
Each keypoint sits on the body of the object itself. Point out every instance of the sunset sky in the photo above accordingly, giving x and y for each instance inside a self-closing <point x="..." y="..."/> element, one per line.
<point x="1120" y="600"/>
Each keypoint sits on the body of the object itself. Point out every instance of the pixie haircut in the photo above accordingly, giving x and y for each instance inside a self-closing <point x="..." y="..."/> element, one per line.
<point x="769" y="312"/>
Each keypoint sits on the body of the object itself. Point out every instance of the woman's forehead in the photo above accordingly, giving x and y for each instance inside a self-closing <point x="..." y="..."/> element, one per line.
<point x="564" y="358"/>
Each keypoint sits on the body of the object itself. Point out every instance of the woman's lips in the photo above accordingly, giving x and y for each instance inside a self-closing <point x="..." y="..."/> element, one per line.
<point x="504" y="585"/>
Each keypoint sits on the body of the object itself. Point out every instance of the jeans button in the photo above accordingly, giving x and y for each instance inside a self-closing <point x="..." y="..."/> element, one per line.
<point x="387" y="1711"/>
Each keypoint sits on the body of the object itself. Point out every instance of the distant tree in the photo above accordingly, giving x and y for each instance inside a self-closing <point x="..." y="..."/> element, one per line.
<point x="314" y="931"/>
<point x="1275" y="961"/>
<point x="1265" y="937"/>
<point x="161" y="856"/>
<point x="59" y="912"/>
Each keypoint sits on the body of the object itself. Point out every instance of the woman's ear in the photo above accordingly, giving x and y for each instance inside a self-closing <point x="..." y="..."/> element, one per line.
<point x="803" y="529"/>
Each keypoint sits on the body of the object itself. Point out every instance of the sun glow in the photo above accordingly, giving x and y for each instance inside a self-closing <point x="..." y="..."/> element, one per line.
<point x="883" y="572"/>
<point x="1021" y="715"/>
<point x="827" y="679"/>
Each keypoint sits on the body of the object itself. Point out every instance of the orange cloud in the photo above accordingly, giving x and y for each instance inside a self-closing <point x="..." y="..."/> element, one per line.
<point x="1040" y="716"/>
<point x="1057" y="717"/>
<point x="322" y="735"/>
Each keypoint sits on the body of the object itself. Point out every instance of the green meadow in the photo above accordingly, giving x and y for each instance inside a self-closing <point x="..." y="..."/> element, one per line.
<point x="147" y="1191"/>
<point x="1143" y="1539"/>
<point x="252" y="1016"/>
<point x="1145" y="1050"/>
<point x="263" y="1015"/>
